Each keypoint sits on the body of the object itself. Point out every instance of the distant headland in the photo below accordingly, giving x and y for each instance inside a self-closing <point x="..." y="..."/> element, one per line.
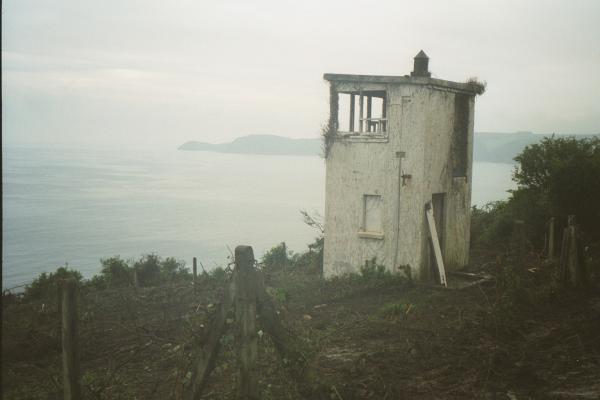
<point x="260" y="144"/>
<point x="488" y="146"/>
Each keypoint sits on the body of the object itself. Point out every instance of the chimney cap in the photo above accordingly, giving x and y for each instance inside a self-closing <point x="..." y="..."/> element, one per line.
<point x="421" y="55"/>
<point x="421" y="65"/>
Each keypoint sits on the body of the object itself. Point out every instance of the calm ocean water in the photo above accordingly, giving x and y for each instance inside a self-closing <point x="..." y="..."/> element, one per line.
<point x="76" y="206"/>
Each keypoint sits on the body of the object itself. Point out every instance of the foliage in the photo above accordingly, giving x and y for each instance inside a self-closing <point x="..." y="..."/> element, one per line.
<point x="172" y="270"/>
<point x="371" y="270"/>
<point x="562" y="174"/>
<point x="329" y="131"/>
<point x="477" y="85"/>
<point x="115" y="272"/>
<point x="47" y="284"/>
<point x="555" y="178"/>
<point x="148" y="270"/>
<point x="153" y="270"/>
<point x="275" y="258"/>
<point x="281" y="295"/>
<point x="491" y="225"/>
<point x="219" y="275"/>
<point x="395" y="310"/>
<point x="377" y="274"/>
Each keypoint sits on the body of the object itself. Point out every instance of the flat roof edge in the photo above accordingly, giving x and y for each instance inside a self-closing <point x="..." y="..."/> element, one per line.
<point x="475" y="88"/>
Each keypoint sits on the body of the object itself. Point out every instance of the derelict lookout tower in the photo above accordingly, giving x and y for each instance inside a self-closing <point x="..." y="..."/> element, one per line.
<point x="396" y="147"/>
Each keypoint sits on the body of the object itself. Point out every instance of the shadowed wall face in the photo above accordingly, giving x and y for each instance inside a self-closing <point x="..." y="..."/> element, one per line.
<point x="460" y="143"/>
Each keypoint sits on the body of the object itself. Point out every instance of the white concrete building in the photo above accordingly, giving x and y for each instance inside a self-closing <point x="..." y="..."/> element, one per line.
<point x="394" y="144"/>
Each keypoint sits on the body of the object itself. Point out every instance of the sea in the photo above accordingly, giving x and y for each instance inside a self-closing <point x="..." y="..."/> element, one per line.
<point x="73" y="206"/>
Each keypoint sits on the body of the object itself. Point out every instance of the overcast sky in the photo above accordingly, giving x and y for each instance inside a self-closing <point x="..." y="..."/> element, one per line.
<point x="162" y="72"/>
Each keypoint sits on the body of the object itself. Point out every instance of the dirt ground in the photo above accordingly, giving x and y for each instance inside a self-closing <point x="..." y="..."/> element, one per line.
<point x="363" y="339"/>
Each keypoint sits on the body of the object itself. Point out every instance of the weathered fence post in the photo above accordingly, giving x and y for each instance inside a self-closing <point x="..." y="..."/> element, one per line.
<point x="195" y="272"/>
<point x="208" y="354"/>
<point x="71" y="385"/>
<point x="284" y="255"/>
<point x="572" y="268"/>
<point x="136" y="283"/>
<point x="551" y="239"/>
<point x="271" y="324"/>
<point x="247" y="291"/>
<point x="59" y="306"/>
<point x="245" y="315"/>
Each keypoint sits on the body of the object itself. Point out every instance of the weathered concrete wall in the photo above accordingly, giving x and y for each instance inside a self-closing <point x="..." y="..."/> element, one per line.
<point x="409" y="122"/>
<point x="456" y="252"/>
<point x="419" y="143"/>
<point x="359" y="166"/>
<point x="355" y="169"/>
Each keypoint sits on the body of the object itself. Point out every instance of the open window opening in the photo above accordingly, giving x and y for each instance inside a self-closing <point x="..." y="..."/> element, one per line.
<point x="363" y="112"/>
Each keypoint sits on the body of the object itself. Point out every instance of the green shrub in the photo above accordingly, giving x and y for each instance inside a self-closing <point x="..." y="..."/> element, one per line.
<point x="395" y="310"/>
<point x="280" y="294"/>
<point x="172" y="269"/>
<point x="371" y="270"/>
<point x="561" y="175"/>
<point x="115" y="272"/>
<point x="153" y="270"/>
<point x="219" y="275"/>
<point x="148" y="270"/>
<point x="555" y="178"/>
<point x="47" y="284"/>
<point x="491" y="225"/>
<point x="98" y="282"/>
<point x="276" y="258"/>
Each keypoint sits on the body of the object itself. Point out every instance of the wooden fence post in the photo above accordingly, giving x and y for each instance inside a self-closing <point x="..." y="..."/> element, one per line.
<point x="245" y="315"/>
<point x="551" y="239"/>
<point x="572" y="267"/>
<point x="59" y="306"/>
<point x="284" y="256"/>
<point x="271" y="324"/>
<point x="71" y="372"/>
<point x="195" y="272"/>
<point x="136" y="283"/>
<point x="208" y="354"/>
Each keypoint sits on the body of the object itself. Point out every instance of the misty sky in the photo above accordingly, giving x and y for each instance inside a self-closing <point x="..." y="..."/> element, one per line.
<point x="124" y="72"/>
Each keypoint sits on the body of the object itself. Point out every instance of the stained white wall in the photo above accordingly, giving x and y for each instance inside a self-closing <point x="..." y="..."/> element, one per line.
<point x="419" y="144"/>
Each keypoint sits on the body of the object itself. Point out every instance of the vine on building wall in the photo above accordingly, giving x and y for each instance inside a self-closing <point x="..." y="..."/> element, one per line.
<point x="329" y="131"/>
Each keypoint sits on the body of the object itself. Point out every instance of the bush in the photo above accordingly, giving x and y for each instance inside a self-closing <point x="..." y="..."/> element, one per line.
<point x="555" y="178"/>
<point x="393" y="311"/>
<point x="559" y="177"/>
<point x="172" y="270"/>
<point x="115" y="272"/>
<point x="148" y="270"/>
<point x="372" y="271"/>
<point x="376" y="274"/>
<point x="152" y="270"/>
<point x="491" y="225"/>
<point x="47" y="284"/>
<point x="275" y="258"/>
<point x="219" y="275"/>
